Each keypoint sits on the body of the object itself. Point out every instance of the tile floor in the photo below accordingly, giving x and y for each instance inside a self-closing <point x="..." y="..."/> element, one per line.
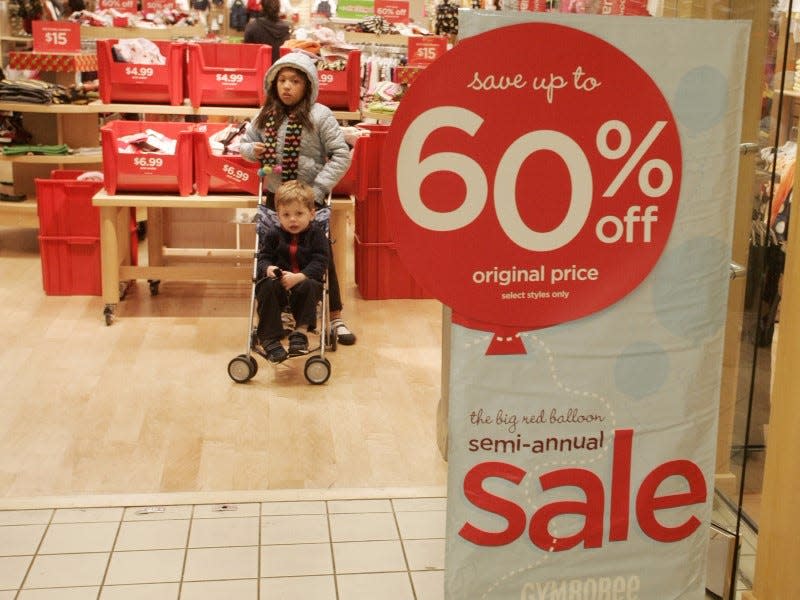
<point x="302" y="546"/>
<point x="349" y="549"/>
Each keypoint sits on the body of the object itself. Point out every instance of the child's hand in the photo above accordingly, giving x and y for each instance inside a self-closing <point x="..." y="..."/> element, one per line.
<point x="259" y="149"/>
<point x="289" y="280"/>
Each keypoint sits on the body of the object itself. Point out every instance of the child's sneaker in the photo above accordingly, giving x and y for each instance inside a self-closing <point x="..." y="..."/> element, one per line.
<point x="343" y="335"/>
<point x="275" y="352"/>
<point x="298" y="344"/>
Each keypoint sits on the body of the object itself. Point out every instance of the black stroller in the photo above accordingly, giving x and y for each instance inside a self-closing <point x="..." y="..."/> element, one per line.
<point x="317" y="368"/>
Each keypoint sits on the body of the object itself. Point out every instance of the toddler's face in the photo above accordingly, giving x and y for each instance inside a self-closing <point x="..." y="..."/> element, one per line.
<point x="295" y="217"/>
<point x="291" y="86"/>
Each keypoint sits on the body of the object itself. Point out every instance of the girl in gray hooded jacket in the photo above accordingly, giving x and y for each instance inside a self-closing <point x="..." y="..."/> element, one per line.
<point x="299" y="138"/>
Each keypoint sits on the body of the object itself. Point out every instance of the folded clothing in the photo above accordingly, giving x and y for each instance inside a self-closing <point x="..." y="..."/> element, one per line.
<point x="48" y="150"/>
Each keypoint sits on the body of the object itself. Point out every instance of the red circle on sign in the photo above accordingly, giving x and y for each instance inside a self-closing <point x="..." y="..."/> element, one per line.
<point x="530" y="192"/>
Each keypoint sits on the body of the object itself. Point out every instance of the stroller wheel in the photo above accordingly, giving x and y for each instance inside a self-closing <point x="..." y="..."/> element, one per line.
<point x="317" y="370"/>
<point x="242" y="368"/>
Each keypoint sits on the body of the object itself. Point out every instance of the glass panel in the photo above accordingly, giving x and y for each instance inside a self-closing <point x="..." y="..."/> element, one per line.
<point x="737" y="504"/>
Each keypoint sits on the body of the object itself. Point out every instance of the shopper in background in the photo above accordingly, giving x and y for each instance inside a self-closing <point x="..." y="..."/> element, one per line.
<point x="292" y="259"/>
<point x="302" y="136"/>
<point x="268" y="28"/>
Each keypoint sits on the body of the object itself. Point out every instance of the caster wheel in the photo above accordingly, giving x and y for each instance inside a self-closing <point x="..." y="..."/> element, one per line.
<point x="253" y="366"/>
<point x="242" y="368"/>
<point x="154" y="286"/>
<point x="108" y="314"/>
<point x="317" y="370"/>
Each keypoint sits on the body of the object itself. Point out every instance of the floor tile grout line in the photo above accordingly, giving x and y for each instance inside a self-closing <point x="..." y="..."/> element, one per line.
<point x="260" y="553"/>
<point x="35" y="553"/>
<point x="328" y="515"/>
<point x="403" y="549"/>
<point x="110" y="555"/>
<point x="186" y="550"/>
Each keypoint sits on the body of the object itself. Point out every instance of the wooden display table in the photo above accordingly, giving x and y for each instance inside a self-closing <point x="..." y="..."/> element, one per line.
<point x="19" y="214"/>
<point x="220" y="264"/>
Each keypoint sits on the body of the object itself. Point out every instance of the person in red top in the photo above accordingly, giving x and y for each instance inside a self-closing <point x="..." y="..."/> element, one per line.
<point x="293" y="260"/>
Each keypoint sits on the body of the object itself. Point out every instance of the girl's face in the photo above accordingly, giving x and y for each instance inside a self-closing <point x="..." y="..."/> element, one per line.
<point x="291" y="86"/>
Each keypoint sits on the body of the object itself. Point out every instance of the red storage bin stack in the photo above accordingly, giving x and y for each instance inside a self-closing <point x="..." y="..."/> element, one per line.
<point x="152" y="84"/>
<point x="216" y="173"/>
<point x="147" y="172"/>
<point x="220" y="74"/>
<point x="69" y="235"/>
<point x="348" y="184"/>
<point x="379" y="272"/>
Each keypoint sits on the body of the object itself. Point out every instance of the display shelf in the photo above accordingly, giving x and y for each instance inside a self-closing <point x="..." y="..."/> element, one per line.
<point x="99" y="33"/>
<point x="379" y="116"/>
<point x="57" y="159"/>
<point x="391" y="39"/>
<point x="56" y="62"/>
<point x="19" y="214"/>
<point x="161" y="33"/>
<point x="161" y="109"/>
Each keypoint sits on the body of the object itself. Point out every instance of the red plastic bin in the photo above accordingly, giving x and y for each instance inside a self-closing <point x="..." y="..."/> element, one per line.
<point x="71" y="265"/>
<point x="380" y="275"/>
<point x="147" y="172"/>
<point x="221" y="173"/>
<point x="348" y="184"/>
<point x="340" y="90"/>
<point x="220" y="74"/>
<point x="370" y="170"/>
<point x="65" y="206"/>
<point x="371" y="219"/>
<point x="128" y="82"/>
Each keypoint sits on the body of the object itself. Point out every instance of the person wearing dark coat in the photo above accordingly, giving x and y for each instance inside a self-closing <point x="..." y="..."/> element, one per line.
<point x="268" y="28"/>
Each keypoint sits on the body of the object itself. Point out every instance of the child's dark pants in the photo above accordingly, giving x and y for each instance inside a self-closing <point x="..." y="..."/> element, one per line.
<point x="302" y="300"/>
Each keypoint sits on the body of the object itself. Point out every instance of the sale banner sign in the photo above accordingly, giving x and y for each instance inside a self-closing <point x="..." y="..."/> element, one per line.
<point x="157" y="6"/>
<point x="355" y="9"/>
<point x="575" y="213"/>
<point x="56" y="36"/>
<point x="127" y="6"/>
<point x="423" y="50"/>
<point x="393" y="11"/>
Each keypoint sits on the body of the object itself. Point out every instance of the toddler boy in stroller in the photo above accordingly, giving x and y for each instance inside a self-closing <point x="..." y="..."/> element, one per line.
<point x="291" y="264"/>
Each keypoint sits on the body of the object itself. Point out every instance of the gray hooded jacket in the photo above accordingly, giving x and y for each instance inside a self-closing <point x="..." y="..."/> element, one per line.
<point x="324" y="154"/>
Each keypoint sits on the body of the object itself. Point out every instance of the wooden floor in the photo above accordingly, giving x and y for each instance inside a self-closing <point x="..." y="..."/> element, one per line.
<point x="146" y="405"/>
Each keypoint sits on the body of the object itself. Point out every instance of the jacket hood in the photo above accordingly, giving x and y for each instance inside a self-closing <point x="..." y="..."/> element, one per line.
<point x="297" y="60"/>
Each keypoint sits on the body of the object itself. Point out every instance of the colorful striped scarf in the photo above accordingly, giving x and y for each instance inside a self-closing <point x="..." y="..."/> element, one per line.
<point x="291" y="146"/>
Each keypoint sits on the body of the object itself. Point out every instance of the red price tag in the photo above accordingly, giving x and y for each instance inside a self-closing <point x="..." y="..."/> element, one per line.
<point x="157" y="6"/>
<point x="425" y="50"/>
<point x="120" y="5"/>
<point x="394" y="11"/>
<point x="524" y="194"/>
<point x="56" y="36"/>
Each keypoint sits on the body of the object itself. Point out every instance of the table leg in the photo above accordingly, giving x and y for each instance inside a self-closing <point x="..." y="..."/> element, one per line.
<point x="338" y="232"/>
<point x="109" y="259"/>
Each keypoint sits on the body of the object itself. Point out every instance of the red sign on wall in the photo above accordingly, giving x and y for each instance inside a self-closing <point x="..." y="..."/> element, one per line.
<point x="425" y="50"/>
<point x="120" y="5"/>
<point x="394" y="11"/>
<point x="157" y="6"/>
<point x="56" y="36"/>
